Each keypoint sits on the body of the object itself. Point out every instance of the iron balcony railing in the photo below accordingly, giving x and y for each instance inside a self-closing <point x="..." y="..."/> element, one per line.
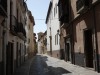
<point x="34" y="34"/>
<point x="16" y="28"/>
<point x="24" y="32"/>
<point x="13" y="24"/>
<point x="3" y="8"/>
<point x="63" y="11"/>
<point x="21" y="29"/>
<point x="82" y="5"/>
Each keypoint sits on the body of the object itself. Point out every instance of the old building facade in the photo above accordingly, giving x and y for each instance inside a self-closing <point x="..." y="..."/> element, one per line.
<point x="45" y="43"/>
<point x="16" y="35"/>
<point x="80" y="32"/>
<point x="35" y="44"/>
<point x="53" y="28"/>
<point x="42" y="43"/>
<point x="30" y="36"/>
<point x="3" y="34"/>
<point x="12" y="35"/>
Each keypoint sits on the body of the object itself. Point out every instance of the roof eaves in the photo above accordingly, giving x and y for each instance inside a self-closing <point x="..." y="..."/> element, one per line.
<point x="49" y="9"/>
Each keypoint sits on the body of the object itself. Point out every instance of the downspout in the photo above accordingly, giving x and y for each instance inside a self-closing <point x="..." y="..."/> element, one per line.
<point x="96" y="41"/>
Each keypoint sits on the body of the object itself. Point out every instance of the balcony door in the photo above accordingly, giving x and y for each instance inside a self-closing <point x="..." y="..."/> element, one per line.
<point x="9" y="59"/>
<point x="68" y="49"/>
<point x="17" y="55"/>
<point x="88" y="48"/>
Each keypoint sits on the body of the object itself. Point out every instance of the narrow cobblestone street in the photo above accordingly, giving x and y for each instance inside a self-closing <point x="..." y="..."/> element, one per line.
<point x="46" y="65"/>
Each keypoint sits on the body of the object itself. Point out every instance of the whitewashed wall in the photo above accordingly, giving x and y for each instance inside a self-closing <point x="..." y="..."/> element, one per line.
<point x="53" y="22"/>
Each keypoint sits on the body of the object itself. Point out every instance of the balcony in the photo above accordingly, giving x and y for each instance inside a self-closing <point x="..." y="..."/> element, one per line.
<point x="63" y="11"/>
<point x="34" y="34"/>
<point x="25" y="6"/>
<point x="3" y="8"/>
<point x="95" y="1"/>
<point x="82" y="5"/>
<point x="50" y="37"/>
<point x="13" y="25"/>
<point x="64" y="25"/>
<point x="21" y="31"/>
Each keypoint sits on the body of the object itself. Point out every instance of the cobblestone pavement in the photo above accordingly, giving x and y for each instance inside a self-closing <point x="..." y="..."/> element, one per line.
<point x="24" y="69"/>
<point x="46" y="65"/>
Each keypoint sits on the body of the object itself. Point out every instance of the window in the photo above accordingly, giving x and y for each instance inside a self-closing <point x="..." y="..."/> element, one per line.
<point x="17" y="14"/>
<point x="51" y="15"/>
<point x="28" y="26"/>
<point x="25" y="50"/>
<point x="11" y="10"/>
<point x="28" y="40"/>
<point x="57" y="39"/>
<point x="25" y="20"/>
<point x="54" y="12"/>
<point x="20" y="46"/>
<point x="81" y="5"/>
<point x="56" y="7"/>
<point x="3" y="4"/>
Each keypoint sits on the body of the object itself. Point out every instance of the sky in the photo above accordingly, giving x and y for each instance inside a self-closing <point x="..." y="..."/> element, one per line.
<point x="39" y="10"/>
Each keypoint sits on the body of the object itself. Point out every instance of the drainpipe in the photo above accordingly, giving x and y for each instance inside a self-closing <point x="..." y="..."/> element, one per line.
<point x="96" y="41"/>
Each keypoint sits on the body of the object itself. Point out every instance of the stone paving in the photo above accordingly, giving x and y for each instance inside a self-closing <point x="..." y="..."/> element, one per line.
<point x="72" y="69"/>
<point x="46" y="65"/>
<point x="24" y="69"/>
